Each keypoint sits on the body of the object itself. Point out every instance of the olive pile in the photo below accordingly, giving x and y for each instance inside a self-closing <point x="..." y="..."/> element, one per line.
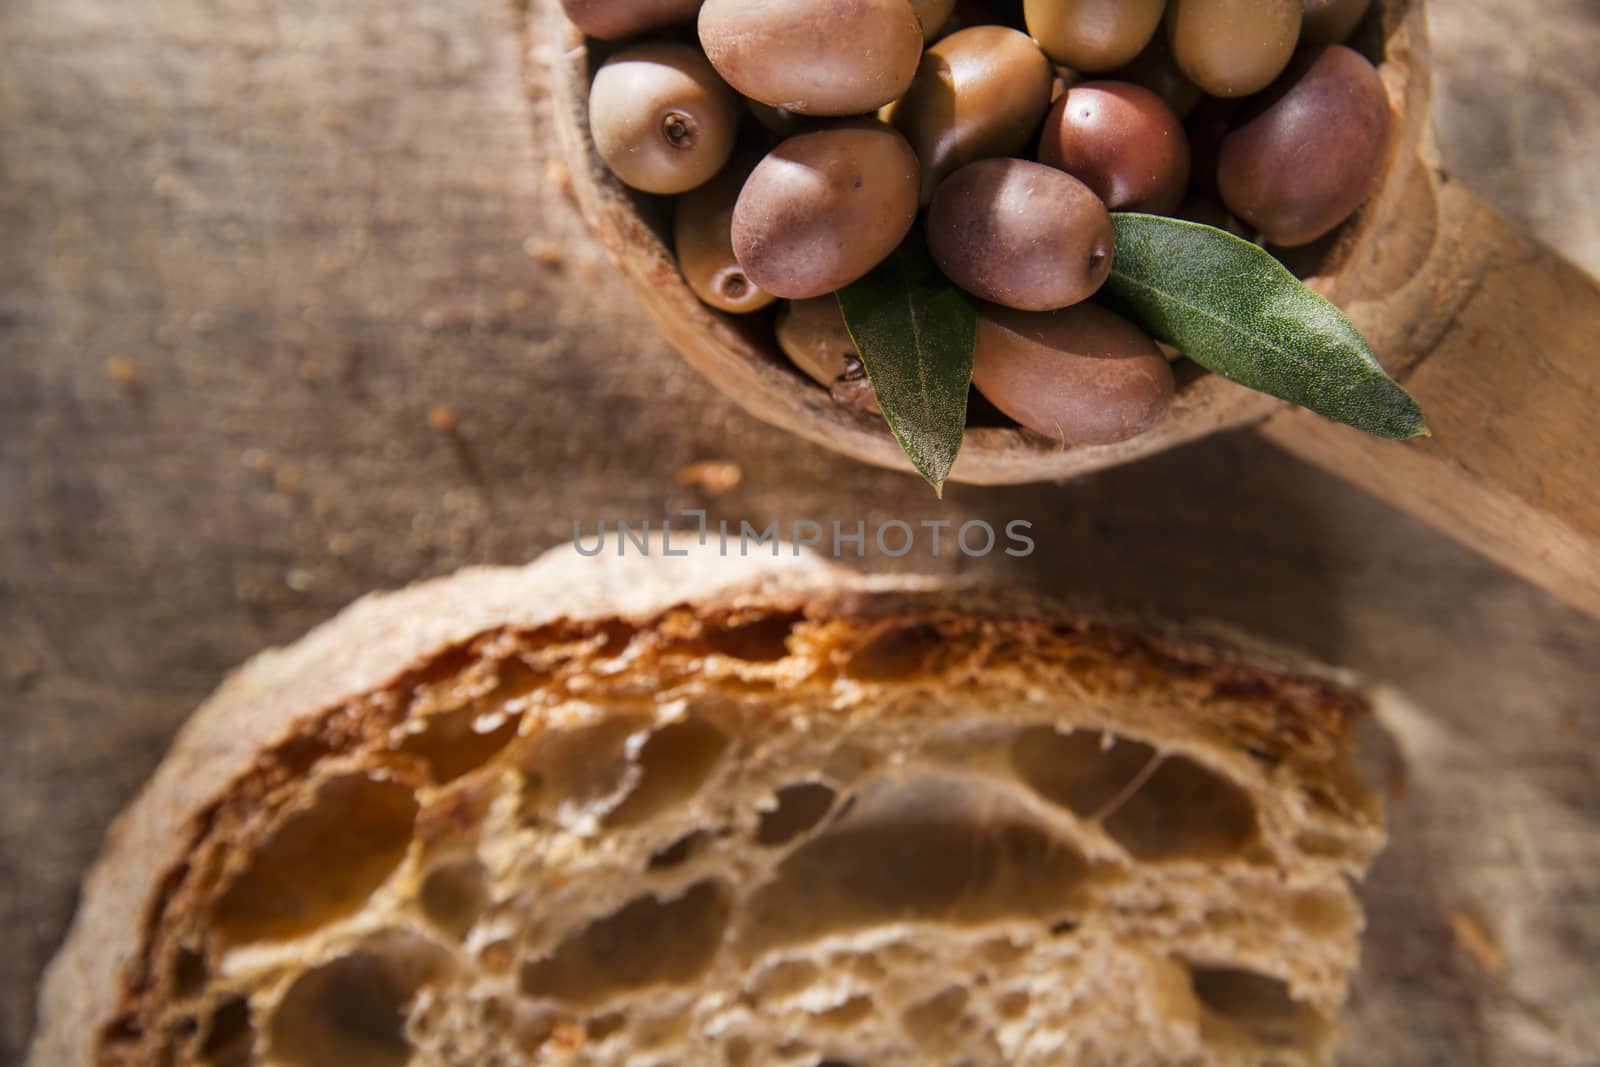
<point x="805" y="138"/>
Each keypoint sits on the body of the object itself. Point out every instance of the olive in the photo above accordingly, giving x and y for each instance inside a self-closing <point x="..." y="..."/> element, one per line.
<point x="612" y="20"/>
<point x="1122" y="141"/>
<point x="932" y="15"/>
<point x="1156" y="70"/>
<point x="813" y="335"/>
<point x="1233" y="47"/>
<point x="1020" y="234"/>
<point x="816" y="57"/>
<point x="1093" y="36"/>
<point x="823" y="208"/>
<point x="979" y="92"/>
<point x="661" y="118"/>
<point x="1081" y="375"/>
<point x="703" y="239"/>
<point x="1305" y="163"/>
<point x="1331" y="21"/>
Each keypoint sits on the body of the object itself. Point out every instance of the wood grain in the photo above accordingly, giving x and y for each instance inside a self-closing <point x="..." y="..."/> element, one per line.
<point x="306" y="225"/>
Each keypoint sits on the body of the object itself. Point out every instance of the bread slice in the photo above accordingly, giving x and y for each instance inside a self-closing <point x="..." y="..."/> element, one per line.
<point x="711" y="811"/>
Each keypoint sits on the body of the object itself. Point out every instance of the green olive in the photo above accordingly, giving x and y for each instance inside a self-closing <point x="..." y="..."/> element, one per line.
<point x="815" y="57"/>
<point x="1333" y="110"/>
<point x="1233" y="47"/>
<point x="932" y="14"/>
<point x="823" y="208"/>
<point x="661" y="118"/>
<point x="1020" y="234"/>
<point x="702" y="237"/>
<point x="979" y="92"/>
<point x="1123" y="142"/>
<point x="813" y="335"/>
<point x="1331" y="21"/>
<point x="611" y="20"/>
<point x="1156" y="70"/>
<point x="1081" y="375"/>
<point x="1092" y="35"/>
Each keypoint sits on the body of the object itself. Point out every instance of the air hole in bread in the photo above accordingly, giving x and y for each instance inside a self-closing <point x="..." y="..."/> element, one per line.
<point x="322" y="862"/>
<point x="603" y="1026"/>
<point x="1184" y="811"/>
<point x="926" y="849"/>
<point x="454" y="743"/>
<point x="1258" y="1005"/>
<point x="680" y="851"/>
<point x="673" y="764"/>
<point x="188" y="972"/>
<point x="896" y="653"/>
<point x="761" y="640"/>
<point x="650" y="941"/>
<point x="576" y="764"/>
<point x="230" y="1036"/>
<point x="1012" y="1005"/>
<point x="453" y="895"/>
<point x="351" y="1011"/>
<point x="846" y="1014"/>
<point x="1084" y="771"/>
<point x="799" y="807"/>
<point x="933" y="1022"/>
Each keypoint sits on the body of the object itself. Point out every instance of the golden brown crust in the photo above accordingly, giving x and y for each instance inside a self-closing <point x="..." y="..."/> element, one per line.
<point x="345" y="687"/>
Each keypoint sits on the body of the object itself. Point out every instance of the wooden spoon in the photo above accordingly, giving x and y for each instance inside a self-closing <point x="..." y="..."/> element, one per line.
<point x="1491" y="331"/>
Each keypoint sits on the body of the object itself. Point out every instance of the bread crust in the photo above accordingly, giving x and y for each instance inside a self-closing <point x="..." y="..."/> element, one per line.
<point x="377" y="648"/>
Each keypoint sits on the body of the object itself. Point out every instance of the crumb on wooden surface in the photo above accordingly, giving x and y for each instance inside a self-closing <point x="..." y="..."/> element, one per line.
<point x="1478" y="943"/>
<point x="559" y="176"/>
<point x="122" y="370"/>
<point x="543" y="251"/>
<point x="442" y="418"/>
<point x="715" y="476"/>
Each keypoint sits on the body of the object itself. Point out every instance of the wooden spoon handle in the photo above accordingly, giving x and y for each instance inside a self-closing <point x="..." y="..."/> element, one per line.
<point x="1498" y="338"/>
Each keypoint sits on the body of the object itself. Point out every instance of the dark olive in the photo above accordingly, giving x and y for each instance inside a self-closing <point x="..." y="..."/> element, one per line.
<point x="1093" y="36"/>
<point x="1233" y="47"/>
<point x="661" y="118"/>
<point x="702" y="237"/>
<point x="1020" y="234"/>
<point x="1156" y="70"/>
<point x="979" y="92"/>
<point x="815" y="57"/>
<point x="932" y="15"/>
<point x="825" y="207"/>
<point x="813" y="335"/>
<point x="611" y="20"/>
<point x="1306" y="162"/>
<point x="1331" y="21"/>
<point x="1122" y="141"/>
<point x="1081" y="375"/>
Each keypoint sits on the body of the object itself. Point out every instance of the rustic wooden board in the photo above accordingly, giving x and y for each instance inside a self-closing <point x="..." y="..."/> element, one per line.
<point x="300" y="227"/>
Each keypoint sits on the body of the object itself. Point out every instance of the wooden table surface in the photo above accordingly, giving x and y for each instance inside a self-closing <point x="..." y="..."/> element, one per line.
<point x="254" y="252"/>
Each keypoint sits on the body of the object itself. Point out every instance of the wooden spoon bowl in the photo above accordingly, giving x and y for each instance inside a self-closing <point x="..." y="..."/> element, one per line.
<point x="742" y="360"/>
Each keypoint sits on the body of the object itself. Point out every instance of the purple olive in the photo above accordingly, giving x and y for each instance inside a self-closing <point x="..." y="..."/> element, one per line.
<point x="1122" y="141"/>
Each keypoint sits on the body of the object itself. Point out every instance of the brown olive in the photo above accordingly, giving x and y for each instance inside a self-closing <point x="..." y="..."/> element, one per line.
<point x="611" y="20"/>
<point x="661" y="118"/>
<point x="979" y="92"/>
<point x="813" y="335"/>
<point x="1122" y="141"/>
<point x="1092" y="35"/>
<point x="1156" y="70"/>
<point x="1081" y="375"/>
<point x="932" y="15"/>
<point x="823" y="208"/>
<point x="815" y="57"/>
<point x="1331" y="21"/>
<point x="1233" y="47"/>
<point x="1305" y="163"/>
<point x="1020" y="234"/>
<point x="702" y="237"/>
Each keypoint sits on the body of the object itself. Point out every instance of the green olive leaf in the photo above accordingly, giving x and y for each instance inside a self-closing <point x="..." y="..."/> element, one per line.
<point x="1238" y="312"/>
<point x="915" y="333"/>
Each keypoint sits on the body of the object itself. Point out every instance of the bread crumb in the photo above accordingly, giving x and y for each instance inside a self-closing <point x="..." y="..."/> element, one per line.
<point x="287" y="480"/>
<point x="543" y="251"/>
<point x="715" y="476"/>
<point x="1471" y="935"/>
<point x="559" y="176"/>
<point x="122" y="370"/>
<point x="442" y="418"/>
